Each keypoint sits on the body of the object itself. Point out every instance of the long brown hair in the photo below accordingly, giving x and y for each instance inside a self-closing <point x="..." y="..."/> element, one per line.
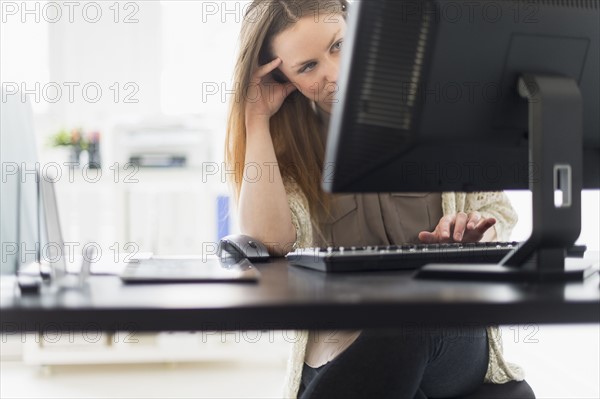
<point x="295" y="128"/>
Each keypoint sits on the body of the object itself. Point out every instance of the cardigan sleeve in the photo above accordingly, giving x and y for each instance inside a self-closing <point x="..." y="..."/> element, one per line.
<point x="488" y="204"/>
<point x="300" y="214"/>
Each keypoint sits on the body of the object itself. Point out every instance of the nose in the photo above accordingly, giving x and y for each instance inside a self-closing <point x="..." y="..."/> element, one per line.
<point x="331" y="70"/>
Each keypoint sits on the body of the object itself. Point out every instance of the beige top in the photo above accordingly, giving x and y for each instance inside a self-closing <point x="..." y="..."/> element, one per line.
<point x="369" y="219"/>
<point x="386" y="219"/>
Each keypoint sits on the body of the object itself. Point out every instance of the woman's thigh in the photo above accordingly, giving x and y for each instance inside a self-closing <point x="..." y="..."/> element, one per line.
<point x="399" y="363"/>
<point x="459" y="363"/>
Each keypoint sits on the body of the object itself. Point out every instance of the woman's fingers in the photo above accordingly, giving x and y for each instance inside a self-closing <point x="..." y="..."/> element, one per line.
<point x="427" y="237"/>
<point x="445" y="226"/>
<point x="264" y="70"/>
<point x="265" y="96"/>
<point x="473" y="220"/>
<point x="441" y="232"/>
<point x="459" y="225"/>
<point x="458" y="228"/>
<point x="477" y="233"/>
<point x="484" y="224"/>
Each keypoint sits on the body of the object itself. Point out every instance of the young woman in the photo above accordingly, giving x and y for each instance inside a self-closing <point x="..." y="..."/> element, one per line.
<point x="286" y="76"/>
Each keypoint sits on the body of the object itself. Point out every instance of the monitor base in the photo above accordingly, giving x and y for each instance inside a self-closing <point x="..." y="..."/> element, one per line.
<point x="501" y="273"/>
<point x="555" y="150"/>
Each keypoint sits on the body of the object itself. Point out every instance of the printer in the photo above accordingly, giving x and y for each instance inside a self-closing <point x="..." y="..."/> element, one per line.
<point x="163" y="144"/>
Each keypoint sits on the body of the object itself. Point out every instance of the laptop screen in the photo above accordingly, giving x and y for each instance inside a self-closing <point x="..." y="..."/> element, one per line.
<point x="53" y="250"/>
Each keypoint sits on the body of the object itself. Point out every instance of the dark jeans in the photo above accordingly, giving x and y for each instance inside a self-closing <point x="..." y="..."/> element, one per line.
<point x="406" y="363"/>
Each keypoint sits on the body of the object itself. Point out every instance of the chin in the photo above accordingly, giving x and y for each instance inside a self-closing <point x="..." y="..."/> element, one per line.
<point x="325" y="107"/>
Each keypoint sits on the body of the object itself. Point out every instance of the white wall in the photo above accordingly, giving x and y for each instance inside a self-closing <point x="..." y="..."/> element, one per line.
<point x="590" y="220"/>
<point x="158" y="57"/>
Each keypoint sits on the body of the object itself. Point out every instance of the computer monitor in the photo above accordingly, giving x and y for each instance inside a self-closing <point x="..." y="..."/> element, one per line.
<point x="474" y="96"/>
<point x="20" y="227"/>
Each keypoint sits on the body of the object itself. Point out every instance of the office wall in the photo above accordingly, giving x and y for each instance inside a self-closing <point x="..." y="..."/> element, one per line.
<point x="590" y="218"/>
<point x="120" y="66"/>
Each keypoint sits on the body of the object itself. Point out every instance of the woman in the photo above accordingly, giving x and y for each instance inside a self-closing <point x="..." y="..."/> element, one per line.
<point x="286" y="77"/>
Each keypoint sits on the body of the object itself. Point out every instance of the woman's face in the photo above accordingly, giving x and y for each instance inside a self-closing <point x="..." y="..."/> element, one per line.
<point x="310" y="51"/>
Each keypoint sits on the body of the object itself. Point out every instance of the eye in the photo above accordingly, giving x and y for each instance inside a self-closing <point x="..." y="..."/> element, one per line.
<point x="308" y="66"/>
<point x="338" y="45"/>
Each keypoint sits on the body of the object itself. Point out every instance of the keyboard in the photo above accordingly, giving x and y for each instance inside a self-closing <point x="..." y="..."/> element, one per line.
<point x="405" y="256"/>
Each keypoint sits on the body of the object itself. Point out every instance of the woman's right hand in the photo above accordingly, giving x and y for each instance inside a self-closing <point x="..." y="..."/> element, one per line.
<point x="265" y="96"/>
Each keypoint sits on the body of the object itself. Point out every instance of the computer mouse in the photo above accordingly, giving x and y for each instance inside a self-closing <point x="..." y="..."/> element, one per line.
<point x="242" y="246"/>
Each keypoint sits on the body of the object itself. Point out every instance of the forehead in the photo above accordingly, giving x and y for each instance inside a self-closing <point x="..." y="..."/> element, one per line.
<point x="307" y="36"/>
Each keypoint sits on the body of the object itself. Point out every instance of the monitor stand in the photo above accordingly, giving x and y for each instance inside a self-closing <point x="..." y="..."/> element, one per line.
<point x="555" y="179"/>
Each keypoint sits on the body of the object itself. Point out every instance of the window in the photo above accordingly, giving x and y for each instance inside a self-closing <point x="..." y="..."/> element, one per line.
<point x="24" y="61"/>
<point x="199" y="44"/>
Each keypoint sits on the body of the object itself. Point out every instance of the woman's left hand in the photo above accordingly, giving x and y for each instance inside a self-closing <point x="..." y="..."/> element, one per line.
<point x="458" y="228"/>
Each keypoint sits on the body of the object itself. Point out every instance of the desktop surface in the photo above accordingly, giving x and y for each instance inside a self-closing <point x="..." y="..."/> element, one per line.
<point x="289" y="297"/>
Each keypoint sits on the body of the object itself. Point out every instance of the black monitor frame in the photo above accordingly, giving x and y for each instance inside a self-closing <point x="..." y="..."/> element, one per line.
<point x="387" y="133"/>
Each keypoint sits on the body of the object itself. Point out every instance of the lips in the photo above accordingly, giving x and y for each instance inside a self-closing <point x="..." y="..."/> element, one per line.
<point x="330" y="96"/>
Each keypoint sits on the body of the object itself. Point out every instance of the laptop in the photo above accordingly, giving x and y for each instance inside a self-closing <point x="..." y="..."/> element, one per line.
<point x="30" y="216"/>
<point x="55" y="265"/>
<point x="165" y="270"/>
<point x="50" y="262"/>
<point x="152" y="270"/>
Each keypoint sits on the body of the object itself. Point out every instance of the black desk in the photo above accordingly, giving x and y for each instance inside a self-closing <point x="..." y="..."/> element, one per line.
<point x="288" y="297"/>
